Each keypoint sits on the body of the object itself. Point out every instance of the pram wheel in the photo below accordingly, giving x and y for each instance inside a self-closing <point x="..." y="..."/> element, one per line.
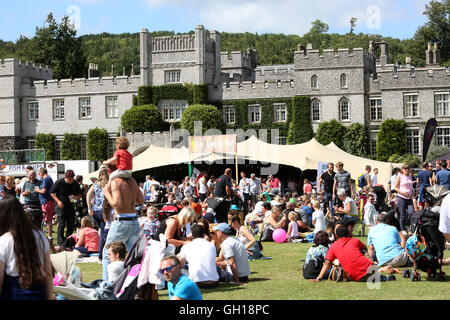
<point x="441" y="276"/>
<point x="406" y="273"/>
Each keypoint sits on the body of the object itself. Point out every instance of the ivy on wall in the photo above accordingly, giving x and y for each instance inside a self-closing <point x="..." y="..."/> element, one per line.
<point x="71" y="147"/>
<point x="47" y="142"/>
<point x="97" y="144"/>
<point x="192" y="93"/>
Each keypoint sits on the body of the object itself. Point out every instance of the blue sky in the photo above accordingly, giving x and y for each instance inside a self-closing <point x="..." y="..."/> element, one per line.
<point x="393" y="18"/>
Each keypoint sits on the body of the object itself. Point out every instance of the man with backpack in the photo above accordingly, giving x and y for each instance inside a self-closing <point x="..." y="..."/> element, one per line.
<point x="365" y="180"/>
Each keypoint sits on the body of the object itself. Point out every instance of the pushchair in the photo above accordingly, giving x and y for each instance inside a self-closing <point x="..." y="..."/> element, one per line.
<point x="427" y="244"/>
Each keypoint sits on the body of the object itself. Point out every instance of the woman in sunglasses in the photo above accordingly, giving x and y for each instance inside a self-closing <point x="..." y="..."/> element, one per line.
<point x="405" y="193"/>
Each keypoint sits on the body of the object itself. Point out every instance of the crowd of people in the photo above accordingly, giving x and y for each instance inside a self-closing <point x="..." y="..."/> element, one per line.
<point x="215" y="225"/>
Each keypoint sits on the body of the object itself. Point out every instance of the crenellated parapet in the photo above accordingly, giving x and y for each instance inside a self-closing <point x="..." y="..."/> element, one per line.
<point x="25" y="69"/>
<point x="342" y="58"/>
<point x="173" y="43"/>
<point x="413" y="78"/>
<point x="79" y="85"/>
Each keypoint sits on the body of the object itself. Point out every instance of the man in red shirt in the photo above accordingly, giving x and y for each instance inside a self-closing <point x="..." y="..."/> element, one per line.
<point x="348" y="252"/>
<point x="274" y="185"/>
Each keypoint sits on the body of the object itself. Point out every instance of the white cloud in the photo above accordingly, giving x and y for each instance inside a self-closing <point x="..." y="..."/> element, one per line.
<point x="289" y="16"/>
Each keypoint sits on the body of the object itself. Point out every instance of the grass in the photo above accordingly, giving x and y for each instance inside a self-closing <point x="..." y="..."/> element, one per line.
<point x="281" y="279"/>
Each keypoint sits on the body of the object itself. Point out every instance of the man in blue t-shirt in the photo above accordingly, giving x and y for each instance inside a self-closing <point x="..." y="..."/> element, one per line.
<point x="388" y="243"/>
<point x="425" y="180"/>
<point x="179" y="286"/>
<point x="443" y="176"/>
<point x="47" y="202"/>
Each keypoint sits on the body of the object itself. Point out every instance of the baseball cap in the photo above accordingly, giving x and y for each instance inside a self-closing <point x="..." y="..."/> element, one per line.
<point x="224" y="227"/>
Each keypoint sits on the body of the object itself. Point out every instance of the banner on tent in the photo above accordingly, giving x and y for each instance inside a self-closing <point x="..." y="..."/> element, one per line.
<point x="213" y="144"/>
<point x="321" y="168"/>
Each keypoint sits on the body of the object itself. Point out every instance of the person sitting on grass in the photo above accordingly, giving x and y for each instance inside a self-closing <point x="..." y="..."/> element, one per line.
<point x="88" y="239"/>
<point x="117" y="252"/>
<point x="233" y="258"/>
<point x="292" y="232"/>
<point x="355" y="265"/>
<point x="389" y="245"/>
<point x="315" y="257"/>
<point x="246" y="237"/>
<point x="179" y="286"/>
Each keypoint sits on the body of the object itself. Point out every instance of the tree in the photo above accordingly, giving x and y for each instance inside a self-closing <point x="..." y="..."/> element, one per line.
<point x="356" y="140"/>
<point x="146" y="118"/>
<point x="57" y="46"/>
<point x="317" y="34"/>
<point x="391" y="139"/>
<point x="209" y="116"/>
<point x="331" y="131"/>
<point x="352" y="24"/>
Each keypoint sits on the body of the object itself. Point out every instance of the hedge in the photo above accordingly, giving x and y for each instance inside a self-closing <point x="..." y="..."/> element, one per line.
<point x="71" y="147"/>
<point x="97" y="144"/>
<point x="300" y="128"/>
<point x="209" y="115"/>
<point x="391" y="139"/>
<point x="145" y="118"/>
<point x="47" y="142"/>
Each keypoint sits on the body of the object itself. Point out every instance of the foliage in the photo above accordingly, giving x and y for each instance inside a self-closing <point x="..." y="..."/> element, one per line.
<point x="300" y="128"/>
<point x="47" y="142"/>
<point x="391" y="139"/>
<point x="97" y="144"/>
<point x="331" y="131"/>
<point x="71" y="147"/>
<point x="56" y="45"/>
<point x="145" y="118"/>
<point x="192" y="93"/>
<point x="412" y="160"/>
<point x="210" y="117"/>
<point x="356" y="140"/>
<point x="122" y="50"/>
<point x="436" y="151"/>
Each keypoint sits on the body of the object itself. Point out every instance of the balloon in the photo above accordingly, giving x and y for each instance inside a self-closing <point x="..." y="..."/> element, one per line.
<point x="279" y="235"/>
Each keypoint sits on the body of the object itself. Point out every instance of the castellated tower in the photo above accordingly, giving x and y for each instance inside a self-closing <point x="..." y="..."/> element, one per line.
<point x="14" y="75"/>
<point x="191" y="58"/>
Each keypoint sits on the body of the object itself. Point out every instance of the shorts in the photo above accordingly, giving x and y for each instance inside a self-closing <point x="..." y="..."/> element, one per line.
<point x="120" y="174"/>
<point x="48" y="208"/>
<point x="399" y="261"/>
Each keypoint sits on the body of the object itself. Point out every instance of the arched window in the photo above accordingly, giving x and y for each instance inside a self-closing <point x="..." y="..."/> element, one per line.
<point x="343" y="80"/>
<point x="314" y="82"/>
<point x="315" y="110"/>
<point x="344" y="110"/>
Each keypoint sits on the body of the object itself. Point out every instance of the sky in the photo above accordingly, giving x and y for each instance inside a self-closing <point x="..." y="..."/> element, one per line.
<point x="389" y="18"/>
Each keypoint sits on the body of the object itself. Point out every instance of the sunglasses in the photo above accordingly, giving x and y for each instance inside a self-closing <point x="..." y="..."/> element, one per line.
<point x="168" y="269"/>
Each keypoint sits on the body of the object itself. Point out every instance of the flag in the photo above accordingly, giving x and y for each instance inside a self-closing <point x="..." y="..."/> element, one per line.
<point x="194" y="173"/>
<point x="430" y="128"/>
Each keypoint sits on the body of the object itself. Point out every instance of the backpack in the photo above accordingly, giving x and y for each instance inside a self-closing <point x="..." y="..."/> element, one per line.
<point x="362" y="181"/>
<point x="311" y="270"/>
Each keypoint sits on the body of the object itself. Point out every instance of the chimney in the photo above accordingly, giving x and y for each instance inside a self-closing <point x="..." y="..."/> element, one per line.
<point x="429" y="55"/>
<point x="93" y="71"/>
<point x="436" y="55"/>
<point x="384" y="54"/>
<point x="408" y="62"/>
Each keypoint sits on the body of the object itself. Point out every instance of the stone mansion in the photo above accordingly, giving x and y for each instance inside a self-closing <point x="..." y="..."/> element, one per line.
<point x="348" y="85"/>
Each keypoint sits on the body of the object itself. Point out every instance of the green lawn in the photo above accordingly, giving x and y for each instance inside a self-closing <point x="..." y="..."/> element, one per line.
<point x="281" y="279"/>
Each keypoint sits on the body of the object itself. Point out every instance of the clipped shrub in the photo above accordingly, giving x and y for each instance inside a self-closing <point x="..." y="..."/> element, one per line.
<point x="391" y="139"/>
<point x="47" y="142"/>
<point x="412" y="160"/>
<point x="209" y="115"/>
<point x="300" y="128"/>
<point x="97" y="144"/>
<point x="71" y="147"/>
<point x="145" y="118"/>
<point x="356" y="140"/>
<point x="331" y="131"/>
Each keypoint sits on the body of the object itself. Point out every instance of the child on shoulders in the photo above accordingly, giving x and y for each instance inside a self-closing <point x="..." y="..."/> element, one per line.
<point x="122" y="159"/>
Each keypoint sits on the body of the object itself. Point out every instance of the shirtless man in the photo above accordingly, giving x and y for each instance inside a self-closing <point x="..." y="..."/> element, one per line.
<point x="122" y="195"/>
